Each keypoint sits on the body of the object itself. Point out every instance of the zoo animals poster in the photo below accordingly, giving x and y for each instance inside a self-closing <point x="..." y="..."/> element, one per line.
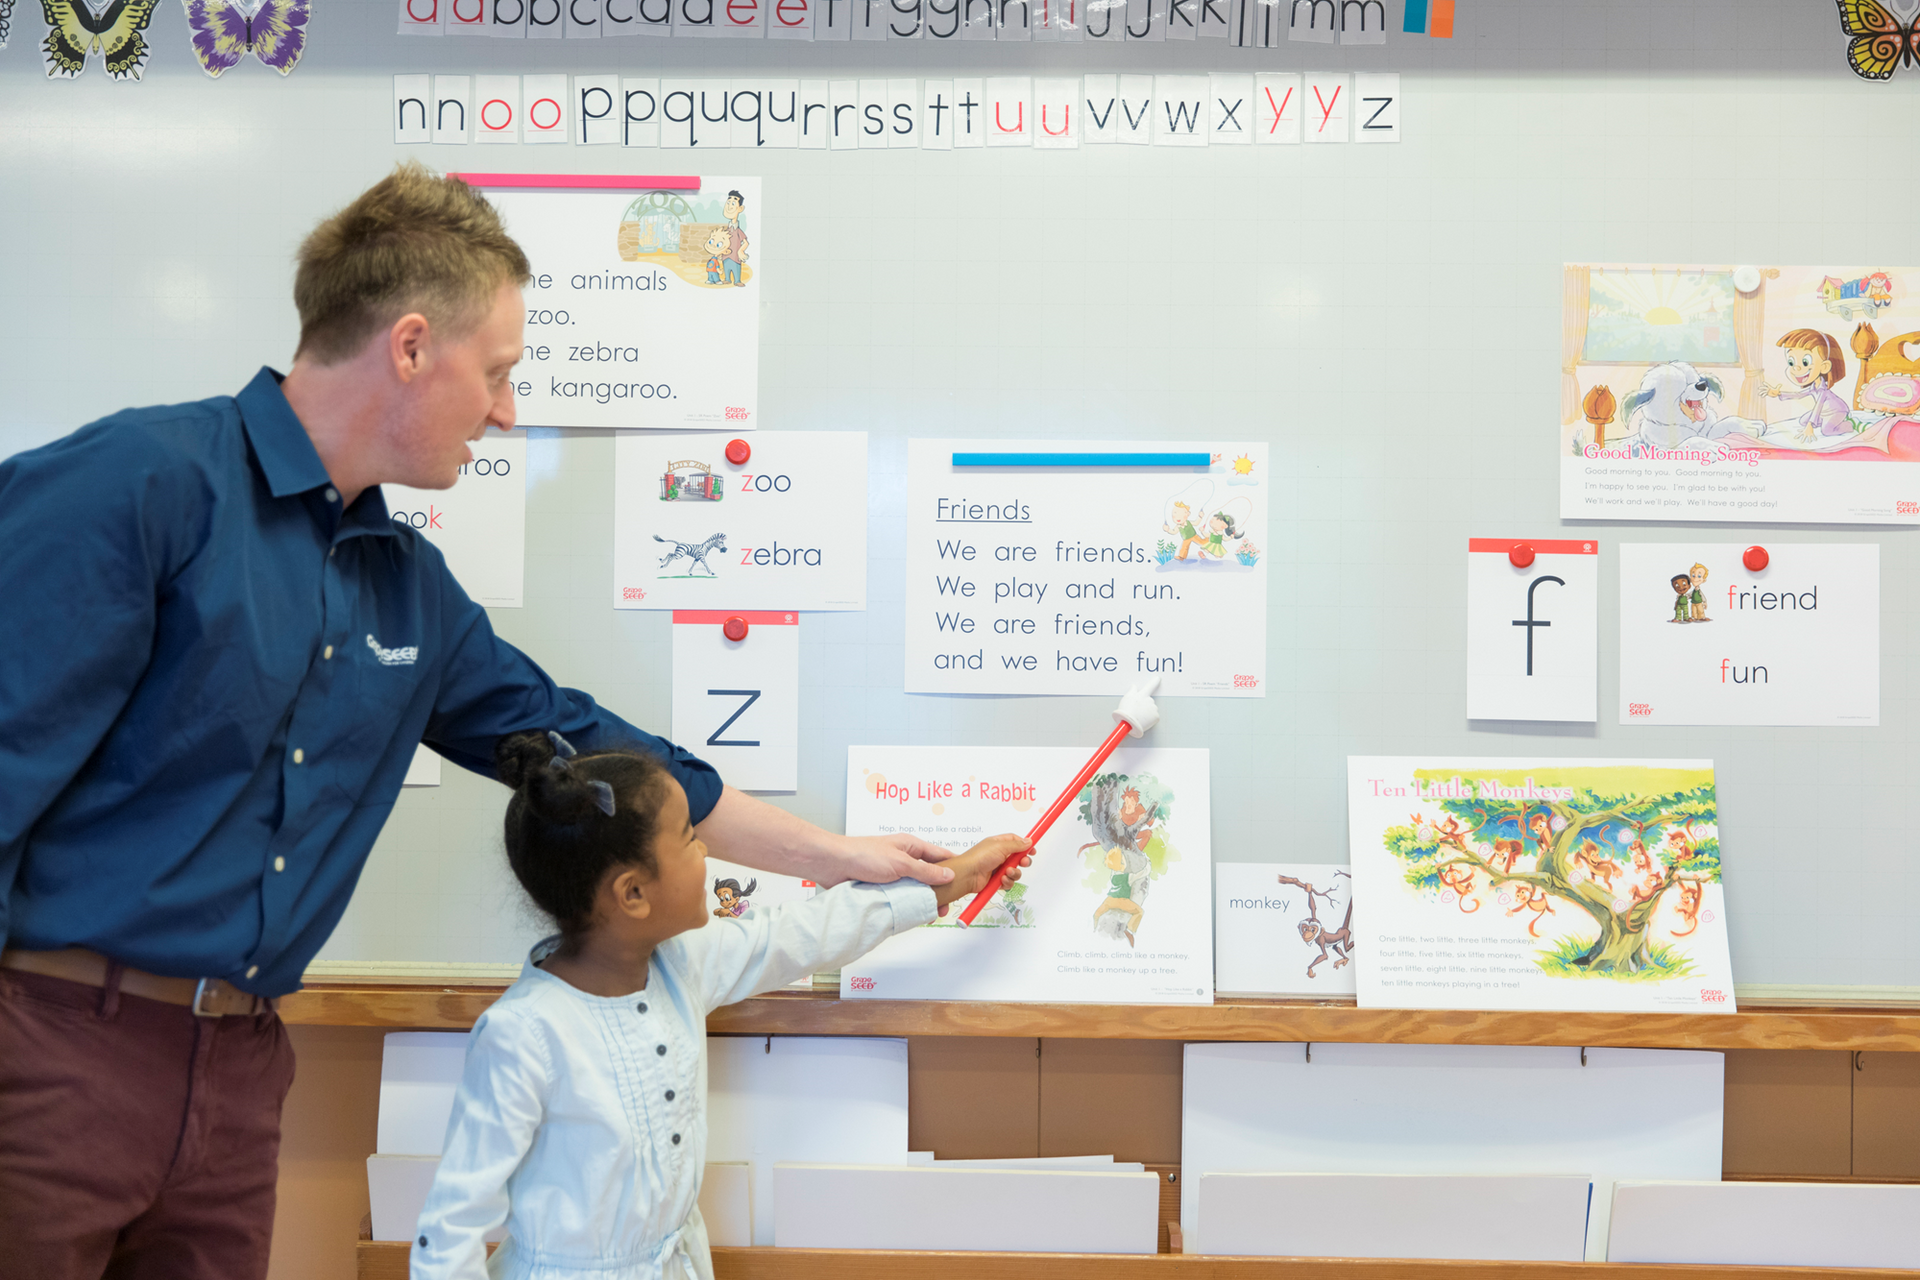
<point x="1538" y="884"/>
<point x="1116" y="907"/>
<point x="644" y="307"/>
<point x="1744" y="393"/>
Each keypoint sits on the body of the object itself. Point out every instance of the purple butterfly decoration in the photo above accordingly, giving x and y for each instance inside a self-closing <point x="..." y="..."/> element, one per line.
<point x="223" y="32"/>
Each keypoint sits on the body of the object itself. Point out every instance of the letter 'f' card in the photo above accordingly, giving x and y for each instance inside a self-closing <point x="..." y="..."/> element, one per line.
<point x="1532" y="629"/>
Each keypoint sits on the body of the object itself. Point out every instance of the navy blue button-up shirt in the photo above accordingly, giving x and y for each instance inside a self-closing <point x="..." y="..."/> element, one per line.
<point x="212" y="679"/>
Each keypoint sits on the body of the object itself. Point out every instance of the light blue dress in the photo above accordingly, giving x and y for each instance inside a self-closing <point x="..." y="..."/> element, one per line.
<point x="581" y="1121"/>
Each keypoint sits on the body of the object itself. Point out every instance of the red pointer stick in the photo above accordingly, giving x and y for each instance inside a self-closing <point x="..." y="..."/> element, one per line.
<point x="1120" y="731"/>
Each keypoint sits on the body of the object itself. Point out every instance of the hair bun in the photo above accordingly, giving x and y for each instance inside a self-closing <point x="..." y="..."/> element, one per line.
<point x="527" y="763"/>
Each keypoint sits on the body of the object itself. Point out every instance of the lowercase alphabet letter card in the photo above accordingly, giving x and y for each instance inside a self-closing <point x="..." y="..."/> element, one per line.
<point x="1538" y="884"/>
<point x="1116" y="908"/>
<point x="1532" y="630"/>
<point x="1706" y="640"/>
<point x="785" y="529"/>
<point x="644" y="306"/>
<point x="1282" y="929"/>
<point x="479" y="525"/>
<point x="736" y="703"/>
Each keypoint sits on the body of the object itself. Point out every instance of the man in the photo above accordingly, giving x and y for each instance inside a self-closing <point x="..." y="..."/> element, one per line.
<point x="737" y="237"/>
<point x="220" y="654"/>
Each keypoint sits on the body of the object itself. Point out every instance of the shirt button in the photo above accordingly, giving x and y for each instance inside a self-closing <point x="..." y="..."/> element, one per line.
<point x="676" y="1139"/>
<point x="669" y="1095"/>
<point x="643" y="1006"/>
<point x="423" y="1242"/>
<point x="253" y="970"/>
<point x="660" y="1049"/>
<point x="333" y="495"/>
<point x="299" y="756"/>
<point x="279" y="864"/>
<point x="330" y="551"/>
<point x="326" y="654"/>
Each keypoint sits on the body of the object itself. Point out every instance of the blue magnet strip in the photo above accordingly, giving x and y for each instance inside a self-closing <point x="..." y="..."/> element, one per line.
<point x="1082" y="459"/>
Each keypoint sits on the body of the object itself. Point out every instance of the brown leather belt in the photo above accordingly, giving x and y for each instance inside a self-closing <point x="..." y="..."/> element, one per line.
<point x="207" y="997"/>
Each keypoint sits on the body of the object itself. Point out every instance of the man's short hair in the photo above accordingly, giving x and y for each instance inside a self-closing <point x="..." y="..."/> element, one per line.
<point x="735" y="195"/>
<point x="410" y="242"/>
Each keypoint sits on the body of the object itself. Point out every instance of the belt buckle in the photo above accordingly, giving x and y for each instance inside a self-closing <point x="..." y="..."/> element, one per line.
<point x="200" y="993"/>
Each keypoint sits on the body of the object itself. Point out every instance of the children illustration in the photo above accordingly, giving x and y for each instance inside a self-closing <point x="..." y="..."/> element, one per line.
<point x="1696" y="601"/>
<point x="733" y="899"/>
<point x="1182" y="527"/>
<point x="1681" y="583"/>
<point x="719" y="245"/>
<point x="580" y="1122"/>
<point x="1814" y="364"/>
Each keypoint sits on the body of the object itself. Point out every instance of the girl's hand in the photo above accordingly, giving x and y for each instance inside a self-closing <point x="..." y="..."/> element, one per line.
<point x="972" y="869"/>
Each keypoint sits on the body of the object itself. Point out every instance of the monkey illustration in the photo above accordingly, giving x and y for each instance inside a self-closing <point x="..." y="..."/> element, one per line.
<point x="1601" y="869"/>
<point x="1542" y="828"/>
<point x="1460" y="880"/>
<point x="1337" y="941"/>
<point x="1508" y="852"/>
<point x="1528" y="898"/>
<point x="1691" y="891"/>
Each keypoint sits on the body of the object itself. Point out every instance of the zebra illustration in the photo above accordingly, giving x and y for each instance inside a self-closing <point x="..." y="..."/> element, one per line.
<point x="695" y="552"/>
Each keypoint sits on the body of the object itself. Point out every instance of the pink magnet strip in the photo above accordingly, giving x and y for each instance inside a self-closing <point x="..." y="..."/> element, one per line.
<point x="583" y="181"/>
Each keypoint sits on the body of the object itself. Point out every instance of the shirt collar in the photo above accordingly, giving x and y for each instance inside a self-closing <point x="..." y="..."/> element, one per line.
<point x="281" y="444"/>
<point x="289" y="461"/>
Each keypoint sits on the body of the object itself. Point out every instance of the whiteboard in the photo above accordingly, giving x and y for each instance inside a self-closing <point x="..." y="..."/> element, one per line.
<point x="1385" y="317"/>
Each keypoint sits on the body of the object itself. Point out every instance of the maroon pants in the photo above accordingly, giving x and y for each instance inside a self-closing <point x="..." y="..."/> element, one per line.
<point x="136" y="1140"/>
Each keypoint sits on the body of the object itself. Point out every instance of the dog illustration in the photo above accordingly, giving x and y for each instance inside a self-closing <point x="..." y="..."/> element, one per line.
<point x="695" y="552"/>
<point x="1673" y="404"/>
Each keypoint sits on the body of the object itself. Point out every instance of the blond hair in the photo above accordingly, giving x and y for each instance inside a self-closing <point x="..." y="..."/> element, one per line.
<point x="410" y="242"/>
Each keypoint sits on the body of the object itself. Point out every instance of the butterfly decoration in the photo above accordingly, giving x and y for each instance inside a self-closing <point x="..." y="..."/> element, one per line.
<point x="1880" y="42"/>
<point x="75" y="29"/>
<point x="224" y="30"/>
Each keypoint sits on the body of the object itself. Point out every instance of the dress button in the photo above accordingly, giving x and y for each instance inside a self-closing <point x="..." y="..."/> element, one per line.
<point x="326" y="654"/>
<point x="299" y="756"/>
<point x="253" y="970"/>
<point x="660" y="1049"/>
<point x="333" y="495"/>
<point x="423" y="1242"/>
<point x="279" y="864"/>
<point x="643" y="1006"/>
<point x="669" y="1095"/>
<point x="676" y="1139"/>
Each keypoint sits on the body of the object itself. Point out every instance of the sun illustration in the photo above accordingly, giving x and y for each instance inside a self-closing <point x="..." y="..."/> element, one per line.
<point x="1243" y="465"/>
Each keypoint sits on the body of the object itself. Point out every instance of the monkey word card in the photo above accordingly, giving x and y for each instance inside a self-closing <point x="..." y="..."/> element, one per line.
<point x="1279" y="929"/>
<point x="1533" y="625"/>
<point x="644" y="307"/>
<point x="1538" y="884"/>
<point x="786" y="528"/>
<point x="1087" y="569"/>
<point x="1740" y="393"/>
<point x="736" y="703"/>
<point x="1706" y="640"/>
<point x="479" y="525"/>
<point x="1115" y="907"/>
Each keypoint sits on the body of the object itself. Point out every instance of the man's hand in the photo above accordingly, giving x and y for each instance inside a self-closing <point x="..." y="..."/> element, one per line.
<point x="972" y="869"/>
<point x="884" y="859"/>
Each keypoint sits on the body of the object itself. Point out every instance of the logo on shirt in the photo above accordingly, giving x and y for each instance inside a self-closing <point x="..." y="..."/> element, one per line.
<point x="394" y="657"/>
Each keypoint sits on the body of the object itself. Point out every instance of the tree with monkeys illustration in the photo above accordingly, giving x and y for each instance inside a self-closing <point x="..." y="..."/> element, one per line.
<point x="1610" y="852"/>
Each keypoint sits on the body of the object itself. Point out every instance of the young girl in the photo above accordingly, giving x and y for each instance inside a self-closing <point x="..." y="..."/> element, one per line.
<point x="580" y="1121"/>
<point x="1814" y="364"/>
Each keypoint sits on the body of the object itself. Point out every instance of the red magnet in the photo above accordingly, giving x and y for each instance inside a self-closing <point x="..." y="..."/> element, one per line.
<point x="1755" y="558"/>
<point x="738" y="451"/>
<point x="1520" y="554"/>
<point x="734" y="628"/>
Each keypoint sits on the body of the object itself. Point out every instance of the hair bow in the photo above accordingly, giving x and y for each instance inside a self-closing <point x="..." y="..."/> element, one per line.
<point x="562" y="752"/>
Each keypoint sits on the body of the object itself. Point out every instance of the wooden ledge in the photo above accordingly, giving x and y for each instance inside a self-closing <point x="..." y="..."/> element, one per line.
<point x="822" y="1013"/>
<point x="381" y="1261"/>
